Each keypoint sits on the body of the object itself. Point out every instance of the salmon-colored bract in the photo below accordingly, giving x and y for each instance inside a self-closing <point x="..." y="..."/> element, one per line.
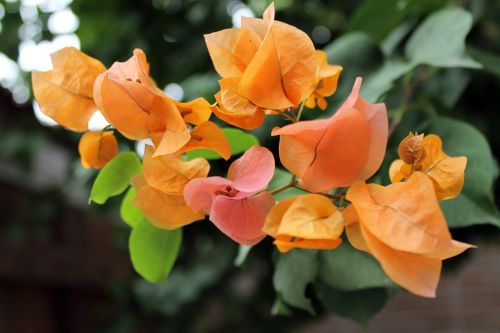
<point x="338" y="151"/>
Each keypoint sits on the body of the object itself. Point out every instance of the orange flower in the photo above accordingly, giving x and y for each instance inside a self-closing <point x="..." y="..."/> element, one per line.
<point x="65" y="93"/>
<point x="160" y="189"/>
<point x="97" y="148"/>
<point x="419" y="153"/>
<point x="132" y="103"/>
<point x="325" y="83"/>
<point x="209" y="136"/>
<point x="338" y="151"/>
<point x="309" y="222"/>
<point x="403" y="227"/>
<point x="266" y="64"/>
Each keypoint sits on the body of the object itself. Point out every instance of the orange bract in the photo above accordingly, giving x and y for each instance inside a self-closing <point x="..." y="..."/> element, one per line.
<point x="338" y="151"/>
<point x="65" y="93"/>
<point x="133" y="104"/>
<point x="409" y="240"/>
<point x="160" y="189"/>
<point x="310" y="221"/>
<point x="446" y="173"/>
<point x="325" y="83"/>
<point x="270" y="65"/>
<point x="97" y="148"/>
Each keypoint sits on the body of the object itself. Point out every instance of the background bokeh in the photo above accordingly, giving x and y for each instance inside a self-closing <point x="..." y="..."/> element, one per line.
<point x="64" y="265"/>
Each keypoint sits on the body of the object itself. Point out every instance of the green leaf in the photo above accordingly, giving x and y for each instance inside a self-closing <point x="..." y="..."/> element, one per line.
<point x="243" y="251"/>
<point x="129" y="212"/>
<point x="382" y="80"/>
<point x="293" y="272"/>
<point x="153" y="251"/>
<point x="475" y="205"/>
<point x="440" y="40"/>
<point x="359" y="306"/>
<point x="346" y="268"/>
<point x="281" y="178"/>
<point x="238" y="140"/>
<point x="378" y="17"/>
<point x="490" y="61"/>
<point x="280" y="308"/>
<point x="115" y="177"/>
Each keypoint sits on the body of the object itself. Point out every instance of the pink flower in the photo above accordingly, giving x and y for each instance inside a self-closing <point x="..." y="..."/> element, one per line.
<point x="237" y="205"/>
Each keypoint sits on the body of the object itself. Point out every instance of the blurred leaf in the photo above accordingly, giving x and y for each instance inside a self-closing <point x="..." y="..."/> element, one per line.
<point x="115" y="177"/>
<point x="129" y="212"/>
<point x="280" y="308"/>
<point x="396" y="36"/>
<point x="360" y="305"/>
<point x="208" y="263"/>
<point x="238" y="140"/>
<point x="243" y="251"/>
<point x="476" y="204"/>
<point x="447" y="85"/>
<point x="368" y="58"/>
<point x="293" y="272"/>
<point x="382" y="80"/>
<point x="281" y="178"/>
<point x="379" y="17"/>
<point x="346" y="268"/>
<point x="440" y="40"/>
<point x="153" y="251"/>
<point x="490" y="61"/>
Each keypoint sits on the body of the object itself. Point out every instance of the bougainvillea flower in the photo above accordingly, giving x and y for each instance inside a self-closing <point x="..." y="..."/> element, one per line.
<point x="65" y="93"/>
<point x="239" y="112"/>
<point x="131" y="102"/>
<point x="196" y="111"/>
<point x="325" y="83"/>
<point x="338" y="151"/>
<point x="310" y="222"/>
<point x="160" y="187"/>
<point x="209" y="136"/>
<point x="403" y="227"/>
<point x="425" y="153"/>
<point x="97" y="148"/>
<point x="237" y="205"/>
<point x="271" y="64"/>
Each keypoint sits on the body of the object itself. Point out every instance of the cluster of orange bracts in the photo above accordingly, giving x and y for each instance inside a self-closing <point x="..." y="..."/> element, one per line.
<point x="267" y="67"/>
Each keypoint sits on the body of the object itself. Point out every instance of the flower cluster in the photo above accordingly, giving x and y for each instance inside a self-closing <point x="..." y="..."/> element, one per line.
<point x="268" y="68"/>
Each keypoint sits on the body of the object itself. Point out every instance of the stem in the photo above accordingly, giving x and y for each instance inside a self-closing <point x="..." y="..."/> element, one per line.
<point x="300" y="110"/>
<point x="292" y="183"/>
<point x="423" y="75"/>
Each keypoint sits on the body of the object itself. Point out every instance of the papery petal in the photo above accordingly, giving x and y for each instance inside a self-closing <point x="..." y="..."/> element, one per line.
<point x="163" y="210"/>
<point x="174" y="135"/>
<point x="312" y="216"/>
<point x="353" y="229"/>
<point x="209" y="136"/>
<point x="286" y="244"/>
<point x="66" y="92"/>
<point x="97" y="149"/>
<point x="248" y="122"/>
<point x="232" y="50"/>
<point x="418" y="274"/>
<point x="242" y="220"/>
<point x="282" y="71"/>
<point x="132" y="103"/>
<point x="253" y="170"/>
<point x="170" y="174"/>
<point x="396" y="174"/>
<point x="390" y="214"/>
<point x="448" y="177"/>
<point x="201" y="192"/>
<point x="329" y="145"/>
<point x="433" y="147"/>
<point x="376" y="118"/>
<point x="196" y="111"/>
